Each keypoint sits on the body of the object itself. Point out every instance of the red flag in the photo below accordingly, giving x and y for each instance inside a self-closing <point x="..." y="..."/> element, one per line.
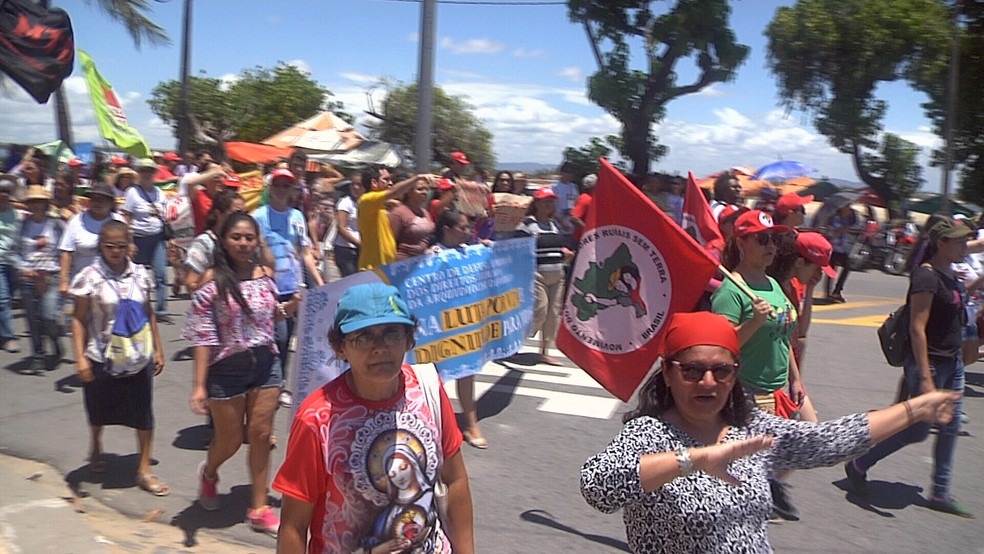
<point x="698" y="220"/>
<point x="635" y="266"/>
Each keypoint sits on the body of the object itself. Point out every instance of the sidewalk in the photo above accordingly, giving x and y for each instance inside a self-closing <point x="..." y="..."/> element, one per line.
<point x="39" y="513"/>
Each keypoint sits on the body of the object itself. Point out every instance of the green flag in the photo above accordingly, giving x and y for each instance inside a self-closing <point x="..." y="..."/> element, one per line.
<point x="113" y="125"/>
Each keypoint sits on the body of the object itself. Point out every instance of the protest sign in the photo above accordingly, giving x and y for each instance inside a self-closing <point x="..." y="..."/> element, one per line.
<point x="509" y="209"/>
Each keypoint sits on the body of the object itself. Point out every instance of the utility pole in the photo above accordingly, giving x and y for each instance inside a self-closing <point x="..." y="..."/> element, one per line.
<point x="951" y="108"/>
<point x="425" y="87"/>
<point x="183" y="122"/>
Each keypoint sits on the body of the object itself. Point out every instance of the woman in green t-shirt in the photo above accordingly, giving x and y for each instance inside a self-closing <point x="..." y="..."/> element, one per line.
<point x="765" y="327"/>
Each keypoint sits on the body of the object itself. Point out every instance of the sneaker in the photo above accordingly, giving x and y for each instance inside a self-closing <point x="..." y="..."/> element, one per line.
<point x="208" y="491"/>
<point x="264" y="520"/>
<point x="781" y="505"/>
<point x="949" y="506"/>
<point x="856" y="478"/>
<point x="286" y="399"/>
<point x="11" y="346"/>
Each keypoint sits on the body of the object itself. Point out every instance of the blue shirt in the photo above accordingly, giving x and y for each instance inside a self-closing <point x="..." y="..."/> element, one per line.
<point x="286" y="234"/>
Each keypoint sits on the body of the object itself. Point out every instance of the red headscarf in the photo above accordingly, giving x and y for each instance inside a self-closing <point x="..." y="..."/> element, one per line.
<point x="684" y="330"/>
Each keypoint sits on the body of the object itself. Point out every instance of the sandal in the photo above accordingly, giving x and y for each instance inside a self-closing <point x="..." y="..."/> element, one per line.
<point x="475" y="442"/>
<point x="153" y="485"/>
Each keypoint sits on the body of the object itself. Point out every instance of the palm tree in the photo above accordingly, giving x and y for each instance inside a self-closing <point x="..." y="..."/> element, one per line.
<point x="132" y="15"/>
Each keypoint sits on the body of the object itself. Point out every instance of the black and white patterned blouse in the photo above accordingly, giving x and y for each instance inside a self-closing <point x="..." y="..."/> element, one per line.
<point x="701" y="513"/>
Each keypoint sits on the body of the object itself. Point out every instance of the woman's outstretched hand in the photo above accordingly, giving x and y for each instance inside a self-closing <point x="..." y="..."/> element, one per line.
<point x="714" y="460"/>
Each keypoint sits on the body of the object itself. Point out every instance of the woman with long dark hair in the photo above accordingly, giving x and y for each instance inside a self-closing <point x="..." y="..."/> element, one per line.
<point x="237" y="374"/>
<point x="689" y="469"/>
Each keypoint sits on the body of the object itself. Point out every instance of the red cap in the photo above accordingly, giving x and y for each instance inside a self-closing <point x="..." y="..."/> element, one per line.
<point x="731" y="211"/>
<point x="75" y="162"/>
<point x="756" y="221"/>
<point x="815" y="248"/>
<point x="444" y="184"/>
<point x="116" y="160"/>
<point x="460" y="157"/>
<point x="171" y="157"/>
<point x="283" y="172"/>
<point x="686" y="329"/>
<point x="790" y="201"/>
<point x="543" y="193"/>
<point x="232" y="181"/>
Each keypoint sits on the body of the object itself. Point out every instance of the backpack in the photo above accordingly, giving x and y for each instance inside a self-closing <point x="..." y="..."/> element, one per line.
<point x="893" y="335"/>
<point x="131" y="342"/>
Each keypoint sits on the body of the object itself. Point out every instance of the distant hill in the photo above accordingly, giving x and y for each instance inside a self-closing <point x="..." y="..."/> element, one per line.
<point x="846" y="183"/>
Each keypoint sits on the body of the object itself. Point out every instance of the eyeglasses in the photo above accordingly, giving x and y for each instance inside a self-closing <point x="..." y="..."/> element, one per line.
<point x="764" y="238"/>
<point x="388" y="339"/>
<point x="695" y="371"/>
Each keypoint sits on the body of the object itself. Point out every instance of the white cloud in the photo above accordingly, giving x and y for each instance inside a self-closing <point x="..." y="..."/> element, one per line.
<point x="413" y="37"/>
<point x="462" y="74"/>
<point x="471" y="46"/>
<point x="572" y="74"/>
<point x="227" y="80"/>
<point x="528" y="53"/>
<point x="360" y="78"/>
<point x="710" y="91"/>
<point x="301" y="65"/>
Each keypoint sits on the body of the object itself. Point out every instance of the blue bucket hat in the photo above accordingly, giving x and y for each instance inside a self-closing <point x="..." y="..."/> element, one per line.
<point x="370" y="304"/>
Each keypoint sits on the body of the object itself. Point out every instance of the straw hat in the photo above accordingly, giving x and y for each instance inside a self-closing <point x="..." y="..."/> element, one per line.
<point x="124" y="171"/>
<point x="37" y="192"/>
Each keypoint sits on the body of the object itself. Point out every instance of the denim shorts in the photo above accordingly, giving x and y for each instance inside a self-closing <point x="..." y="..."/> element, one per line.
<point x="240" y="373"/>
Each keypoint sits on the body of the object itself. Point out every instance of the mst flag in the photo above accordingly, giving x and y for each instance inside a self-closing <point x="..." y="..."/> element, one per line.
<point x="635" y="266"/>
<point x="698" y="221"/>
<point x="37" y="48"/>
<point x="113" y="125"/>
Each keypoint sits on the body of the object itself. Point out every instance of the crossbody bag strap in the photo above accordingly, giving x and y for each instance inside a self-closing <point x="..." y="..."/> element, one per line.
<point x="429" y="385"/>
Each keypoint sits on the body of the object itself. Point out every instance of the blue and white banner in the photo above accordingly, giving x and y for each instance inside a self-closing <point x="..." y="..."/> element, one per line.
<point x="474" y="303"/>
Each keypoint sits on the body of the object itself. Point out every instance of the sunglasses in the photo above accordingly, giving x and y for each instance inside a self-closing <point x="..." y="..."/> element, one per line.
<point x="389" y="339"/>
<point x="764" y="238"/>
<point x="695" y="371"/>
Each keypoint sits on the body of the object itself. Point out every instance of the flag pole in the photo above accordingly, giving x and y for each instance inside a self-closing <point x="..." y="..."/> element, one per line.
<point x="738" y="281"/>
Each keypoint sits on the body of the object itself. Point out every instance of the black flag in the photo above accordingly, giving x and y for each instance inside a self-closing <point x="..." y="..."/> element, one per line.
<point x="37" y="48"/>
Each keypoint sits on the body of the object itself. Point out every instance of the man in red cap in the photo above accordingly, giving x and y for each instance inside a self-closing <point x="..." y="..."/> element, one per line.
<point x="791" y="209"/>
<point x="77" y="167"/>
<point x="170" y="161"/>
<point x="201" y="188"/>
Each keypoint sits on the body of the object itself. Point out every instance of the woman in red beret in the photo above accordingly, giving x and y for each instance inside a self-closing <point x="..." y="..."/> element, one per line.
<point x="695" y="455"/>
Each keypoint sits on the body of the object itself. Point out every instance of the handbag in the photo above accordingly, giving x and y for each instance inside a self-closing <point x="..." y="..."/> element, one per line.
<point x="430" y="384"/>
<point x="167" y="230"/>
<point x="893" y="335"/>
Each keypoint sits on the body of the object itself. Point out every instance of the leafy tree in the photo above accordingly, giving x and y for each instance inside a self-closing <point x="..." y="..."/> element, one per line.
<point x="829" y="57"/>
<point x="585" y="158"/>
<point x="638" y="97"/>
<point x="896" y="163"/>
<point x="455" y="127"/>
<point x="132" y="14"/>
<point x="261" y="102"/>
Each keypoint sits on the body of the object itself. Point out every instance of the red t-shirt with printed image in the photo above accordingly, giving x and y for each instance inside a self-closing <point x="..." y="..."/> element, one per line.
<point x="369" y="467"/>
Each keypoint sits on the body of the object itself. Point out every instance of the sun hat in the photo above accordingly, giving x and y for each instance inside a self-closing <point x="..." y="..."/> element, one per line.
<point x="370" y="304"/>
<point x="283" y="172"/>
<point x="756" y="221"/>
<point x="37" y="192"/>
<point x="686" y="329"/>
<point x="544" y="193"/>
<point x="589" y="181"/>
<point x="947" y="228"/>
<point x="121" y="172"/>
<point x="817" y="249"/>
<point x="460" y="157"/>
<point x="790" y="201"/>
<point x="232" y="181"/>
<point x="101" y="189"/>
<point x="145" y="163"/>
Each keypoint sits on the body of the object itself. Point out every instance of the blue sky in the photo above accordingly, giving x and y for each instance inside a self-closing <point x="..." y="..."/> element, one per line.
<point x="523" y="68"/>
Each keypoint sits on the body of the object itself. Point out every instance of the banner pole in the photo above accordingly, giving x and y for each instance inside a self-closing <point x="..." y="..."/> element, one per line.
<point x="738" y="281"/>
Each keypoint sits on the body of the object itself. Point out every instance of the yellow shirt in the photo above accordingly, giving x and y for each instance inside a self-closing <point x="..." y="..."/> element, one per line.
<point x="378" y="246"/>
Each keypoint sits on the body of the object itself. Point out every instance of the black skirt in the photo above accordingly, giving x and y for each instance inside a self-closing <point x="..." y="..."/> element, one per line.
<point x="126" y="401"/>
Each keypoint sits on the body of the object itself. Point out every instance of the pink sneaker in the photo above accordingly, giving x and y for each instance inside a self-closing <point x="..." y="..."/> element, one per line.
<point x="208" y="491"/>
<point x="264" y="520"/>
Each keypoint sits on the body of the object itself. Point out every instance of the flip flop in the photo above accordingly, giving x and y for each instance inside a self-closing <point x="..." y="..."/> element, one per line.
<point x="476" y="442"/>
<point x="153" y="485"/>
<point x="98" y="466"/>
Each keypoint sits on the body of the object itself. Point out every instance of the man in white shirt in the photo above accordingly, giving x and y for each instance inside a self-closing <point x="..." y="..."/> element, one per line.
<point x="566" y="190"/>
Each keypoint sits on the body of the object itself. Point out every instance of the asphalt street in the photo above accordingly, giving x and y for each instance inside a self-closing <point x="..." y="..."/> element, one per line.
<point x="541" y="423"/>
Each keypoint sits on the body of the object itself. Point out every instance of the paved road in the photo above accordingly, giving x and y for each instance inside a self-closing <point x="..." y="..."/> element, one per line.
<point x="542" y="423"/>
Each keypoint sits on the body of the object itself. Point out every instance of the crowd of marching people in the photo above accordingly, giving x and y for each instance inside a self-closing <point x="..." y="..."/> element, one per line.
<point x="96" y="241"/>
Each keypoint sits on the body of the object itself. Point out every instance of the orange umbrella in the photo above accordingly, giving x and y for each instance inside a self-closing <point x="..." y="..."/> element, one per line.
<point x="797" y="184"/>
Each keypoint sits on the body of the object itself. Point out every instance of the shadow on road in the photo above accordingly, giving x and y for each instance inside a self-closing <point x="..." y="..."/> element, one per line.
<point x="232" y="511"/>
<point x="120" y="473"/>
<point x="196" y="437"/>
<point x="68" y="384"/>
<point x="541" y="517"/>
<point x="501" y="395"/>
<point x="883" y="495"/>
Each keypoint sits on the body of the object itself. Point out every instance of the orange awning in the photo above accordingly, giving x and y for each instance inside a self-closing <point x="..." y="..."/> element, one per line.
<point x="251" y="153"/>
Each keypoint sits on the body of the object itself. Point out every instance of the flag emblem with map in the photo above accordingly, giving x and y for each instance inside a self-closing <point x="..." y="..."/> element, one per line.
<point x="635" y="266"/>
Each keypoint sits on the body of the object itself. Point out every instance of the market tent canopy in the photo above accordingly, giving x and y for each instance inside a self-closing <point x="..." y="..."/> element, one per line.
<point x="324" y="131"/>
<point x="251" y="153"/>
<point x="933" y="204"/>
<point x="367" y="153"/>
<point x="797" y="184"/>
